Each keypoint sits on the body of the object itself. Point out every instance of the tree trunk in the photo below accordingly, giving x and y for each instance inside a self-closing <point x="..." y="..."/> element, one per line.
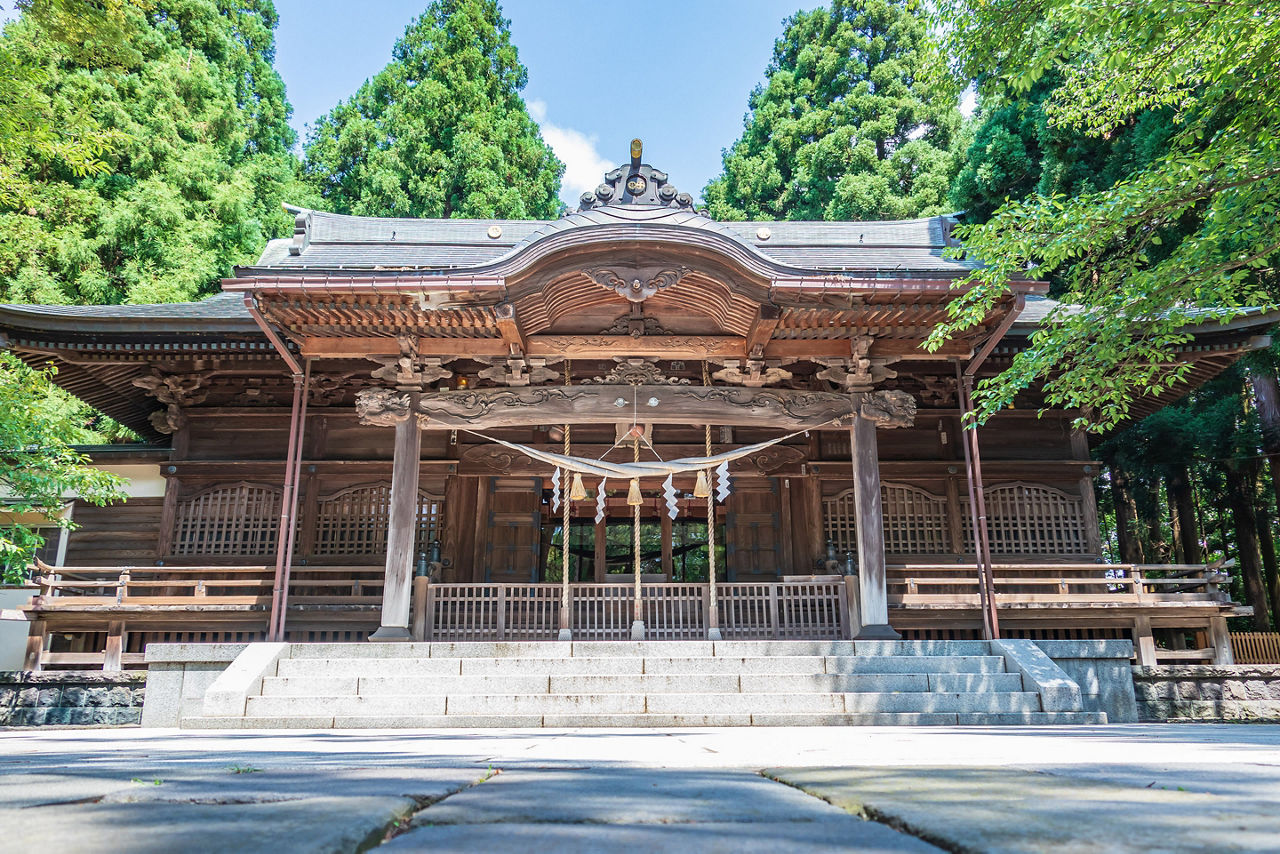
<point x="1240" y="486"/>
<point x="1126" y="517"/>
<point x="1271" y="577"/>
<point x="1266" y="402"/>
<point x="1184" y="508"/>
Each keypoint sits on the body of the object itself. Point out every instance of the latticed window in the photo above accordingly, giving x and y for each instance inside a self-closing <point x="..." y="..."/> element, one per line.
<point x="1031" y="519"/>
<point x="353" y="521"/>
<point x="228" y="519"/>
<point x="915" y="520"/>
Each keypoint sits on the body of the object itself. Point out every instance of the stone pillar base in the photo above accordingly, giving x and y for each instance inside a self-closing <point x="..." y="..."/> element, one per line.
<point x="392" y="633"/>
<point x="637" y="630"/>
<point x="713" y="634"/>
<point x="881" y="631"/>
<point x="565" y="635"/>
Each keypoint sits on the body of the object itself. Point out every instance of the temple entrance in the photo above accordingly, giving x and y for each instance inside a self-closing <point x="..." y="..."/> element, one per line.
<point x="670" y="550"/>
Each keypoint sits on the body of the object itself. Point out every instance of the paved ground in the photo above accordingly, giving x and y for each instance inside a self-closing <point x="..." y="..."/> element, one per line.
<point x="1118" y="788"/>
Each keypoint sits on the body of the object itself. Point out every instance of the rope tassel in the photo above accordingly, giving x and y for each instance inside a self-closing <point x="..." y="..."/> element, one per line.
<point x="577" y="492"/>
<point x="702" y="489"/>
<point x="634" y="498"/>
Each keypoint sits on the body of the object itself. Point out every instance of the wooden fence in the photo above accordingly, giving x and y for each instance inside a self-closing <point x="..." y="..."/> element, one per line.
<point x="486" y="612"/>
<point x="1255" y="647"/>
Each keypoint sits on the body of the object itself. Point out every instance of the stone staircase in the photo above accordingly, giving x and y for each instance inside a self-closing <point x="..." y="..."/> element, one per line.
<point x="627" y="684"/>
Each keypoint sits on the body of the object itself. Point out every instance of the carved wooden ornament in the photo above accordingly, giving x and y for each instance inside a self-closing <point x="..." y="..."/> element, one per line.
<point x="380" y="407"/>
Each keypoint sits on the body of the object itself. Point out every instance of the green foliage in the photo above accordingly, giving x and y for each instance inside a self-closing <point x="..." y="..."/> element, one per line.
<point x="37" y="464"/>
<point x="1188" y="236"/>
<point x="850" y="123"/>
<point x="189" y="123"/>
<point x="440" y="132"/>
<point x="36" y="123"/>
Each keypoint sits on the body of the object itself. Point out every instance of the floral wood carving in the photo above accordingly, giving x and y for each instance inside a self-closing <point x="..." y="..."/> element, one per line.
<point x="636" y="285"/>
<point x="381" y="407"/>
<point x="519" y="371"/>
<point x="176" y="391"/>
<point x="411" y="372"/>
<point x="636" y="371"/>
<point x="752" y="373"/>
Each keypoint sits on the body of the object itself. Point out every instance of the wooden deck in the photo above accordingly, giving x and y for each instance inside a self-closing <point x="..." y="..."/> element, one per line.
<point x="127" y="607"/>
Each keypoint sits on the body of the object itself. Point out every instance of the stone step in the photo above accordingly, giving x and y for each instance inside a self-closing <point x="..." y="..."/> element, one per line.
<point x="328" y="686"/>
<point x="779" y="664"/>
<point x="645" y="720"/>
<point x="615" y="649"/>
<point x="399" y="705"/>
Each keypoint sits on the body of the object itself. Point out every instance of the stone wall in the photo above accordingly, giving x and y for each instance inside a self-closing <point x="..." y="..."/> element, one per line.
<point x="1237" y="692"/>
<point x="178" y="674"/>
<point x="71" y="697"/>
<point x="1102" y="670"/>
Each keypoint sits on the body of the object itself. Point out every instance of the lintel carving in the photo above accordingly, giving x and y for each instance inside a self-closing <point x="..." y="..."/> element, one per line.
<point x="176" y="391"/>
<point x="888" y="409"/>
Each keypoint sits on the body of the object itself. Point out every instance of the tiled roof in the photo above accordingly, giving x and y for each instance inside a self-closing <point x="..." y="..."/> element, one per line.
<point x="334" y="241"/>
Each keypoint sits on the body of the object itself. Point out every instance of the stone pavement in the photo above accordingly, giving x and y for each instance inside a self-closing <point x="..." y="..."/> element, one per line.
<point x="1199" y="787"/>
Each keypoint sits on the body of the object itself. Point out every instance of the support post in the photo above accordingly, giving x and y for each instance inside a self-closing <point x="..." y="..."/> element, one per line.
<point x="852" y="616"/>
<point x="1144" y="644"/>
<point x="978" y="510"/>
<point x="401" y="527"/>
<point x="872" y="588"/>
<point x="113" y="661"/>
<point x="421" y="585"/>
<point x="1220" y="640"/>
<point x="36" y="635"/>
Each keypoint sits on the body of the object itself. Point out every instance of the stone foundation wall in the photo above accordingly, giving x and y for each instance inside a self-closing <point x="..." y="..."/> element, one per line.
<point x="1208" y="692"/>
<point x="1102" y="670"/>
<point x="71" y="697"/>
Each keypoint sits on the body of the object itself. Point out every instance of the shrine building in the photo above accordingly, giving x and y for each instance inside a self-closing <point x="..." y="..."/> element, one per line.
<point x="632" y="423"/>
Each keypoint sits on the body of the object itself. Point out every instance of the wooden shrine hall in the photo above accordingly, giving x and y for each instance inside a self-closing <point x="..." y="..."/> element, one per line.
<point x="397" y="428"/>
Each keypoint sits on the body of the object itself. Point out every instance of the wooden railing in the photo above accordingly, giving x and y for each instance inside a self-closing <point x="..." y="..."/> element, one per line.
<point x="674" y="611"/>
<point x="956" y="584"/>
<point x="1255" y="647"/>
<point x="77" y="588"/>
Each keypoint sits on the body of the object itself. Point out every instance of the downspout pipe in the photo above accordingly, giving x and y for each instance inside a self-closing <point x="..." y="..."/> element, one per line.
<point x="293" y="459"/>
<point x="973" y="469"/>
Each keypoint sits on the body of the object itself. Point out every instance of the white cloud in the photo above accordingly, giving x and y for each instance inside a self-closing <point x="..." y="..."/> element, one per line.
<point x="969" y="102"/>
<point x="584" y="168"/>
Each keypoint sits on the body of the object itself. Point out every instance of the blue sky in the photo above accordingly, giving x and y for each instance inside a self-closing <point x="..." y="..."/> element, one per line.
<point x="675" y="74"/>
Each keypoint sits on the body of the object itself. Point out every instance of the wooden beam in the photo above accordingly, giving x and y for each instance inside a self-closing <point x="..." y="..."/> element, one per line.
<point x="509" y="326"/>
<point x="762" y="326"/>
<point x="112" y="661"/>
<point x="608" y="346"/>
<point x="778" y="408"/>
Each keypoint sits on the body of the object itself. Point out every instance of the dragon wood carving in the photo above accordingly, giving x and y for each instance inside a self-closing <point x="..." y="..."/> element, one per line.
<point x="381" y="407"/>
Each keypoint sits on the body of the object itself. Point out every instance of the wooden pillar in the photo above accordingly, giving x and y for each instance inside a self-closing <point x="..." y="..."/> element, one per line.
<point x="401" y="527"/>
<point x="114" y="658"/>
<point x="1144" y="643"/>
<point x="36" y="635"/>
<point x="1220" y="640"/>
<point x="873" y="605"/>
<point x="421" y="586"/>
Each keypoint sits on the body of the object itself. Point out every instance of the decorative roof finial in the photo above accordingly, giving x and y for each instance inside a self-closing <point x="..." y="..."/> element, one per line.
<point x="636" y="184"/>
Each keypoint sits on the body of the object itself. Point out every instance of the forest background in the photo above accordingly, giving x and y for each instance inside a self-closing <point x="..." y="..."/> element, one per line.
<point x="1124" y="151"/>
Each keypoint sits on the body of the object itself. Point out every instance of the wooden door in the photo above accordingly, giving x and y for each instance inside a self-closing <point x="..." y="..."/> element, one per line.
<point x="755" y="539"/>
<point x="511" y="533"/>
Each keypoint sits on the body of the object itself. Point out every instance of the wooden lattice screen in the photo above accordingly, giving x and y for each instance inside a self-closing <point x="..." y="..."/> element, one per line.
<point x="228" y="519"/>
<point x="1031" y="519"/>
<point x="915" y="520"/>
<point x="353" y="521"/>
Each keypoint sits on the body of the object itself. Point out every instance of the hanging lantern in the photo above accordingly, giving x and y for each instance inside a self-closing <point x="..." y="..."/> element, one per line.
<point x="577" y="492"/>
<point x="634" y="498"/>
<point x="702" y="488"/>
